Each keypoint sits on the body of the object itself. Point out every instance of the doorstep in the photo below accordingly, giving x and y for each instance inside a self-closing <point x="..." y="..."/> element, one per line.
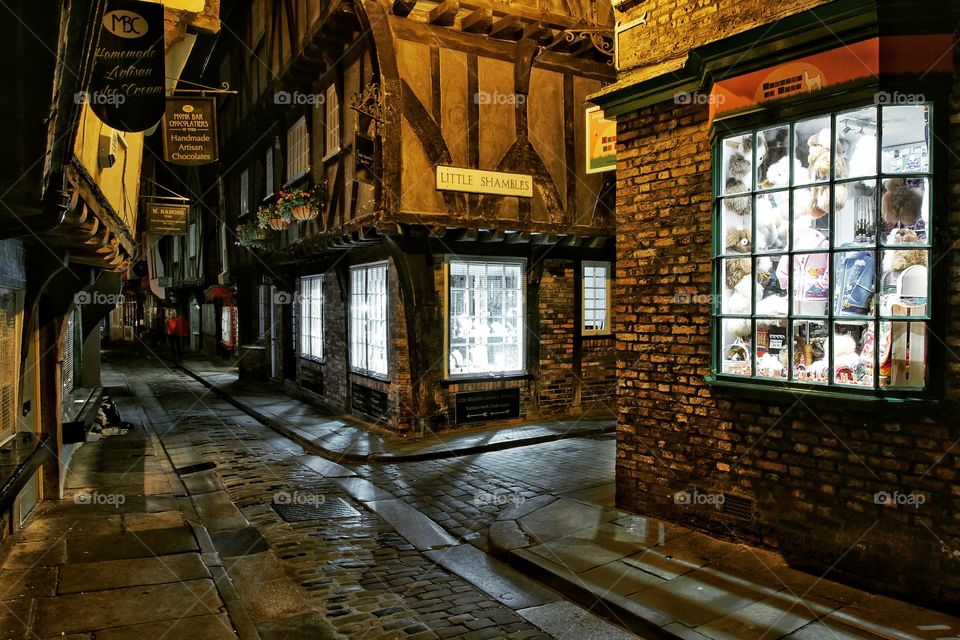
<point x="344" y="439"/>
<point x="665" y="581"/>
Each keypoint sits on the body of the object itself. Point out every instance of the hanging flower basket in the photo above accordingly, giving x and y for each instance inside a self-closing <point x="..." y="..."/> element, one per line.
<point x="302" y="203"/>
<point x="274" y="217"/>
<point x="249" y="234"/>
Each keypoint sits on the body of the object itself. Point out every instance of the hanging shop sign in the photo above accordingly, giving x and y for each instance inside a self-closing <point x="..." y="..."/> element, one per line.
<point x="489" y="182"/>
<point x="167" y="219"/>
<point x="370" y="401"/>
<point x="363" y="152"/>
<point x="481" y="406"/>
<point x="127" y="86"/>
<point x="601" y="142"/>
<point x="864" y="60"/>
<point x="190" y="131"/>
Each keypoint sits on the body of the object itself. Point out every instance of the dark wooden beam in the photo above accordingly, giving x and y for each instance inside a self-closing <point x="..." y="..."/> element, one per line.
<point x="538" y="32"/>
<point x="507" y="28"/>
<point x="477" y="21"/>
<point x="444" y="13"/>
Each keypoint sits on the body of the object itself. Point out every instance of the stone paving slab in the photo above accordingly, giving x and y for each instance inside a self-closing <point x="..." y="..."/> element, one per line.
<point x="115" y="574"/>
<point x="84" y="612"/>
<point x="217" y="511"/>
<point x="566" y="621"/>
<point x="501" y="581"/>
<point x="774" y="617"/>
<point x="563" y="517"/>
<point x="419" y="530"/>
<point x="27" y="583"/>
<point x="139" y="544"/>
<point x="202" y="627"/>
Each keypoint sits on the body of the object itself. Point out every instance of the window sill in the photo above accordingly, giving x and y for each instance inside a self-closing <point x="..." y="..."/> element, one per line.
<point x="492" y="377"/>
<point x="599" y="334"/>
<point x="332" y="155"/>
<point x="297" y="178"/>
<point x="370" y="375"/>
<point x="315" y="359"/>
<point x="784" y="393"/>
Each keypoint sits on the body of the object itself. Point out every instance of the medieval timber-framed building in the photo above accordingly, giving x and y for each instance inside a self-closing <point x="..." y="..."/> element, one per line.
<point x="411" y="306"/>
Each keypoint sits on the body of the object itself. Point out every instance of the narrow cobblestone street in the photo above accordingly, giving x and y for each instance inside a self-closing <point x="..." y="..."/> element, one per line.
<point x="305" y="557"/>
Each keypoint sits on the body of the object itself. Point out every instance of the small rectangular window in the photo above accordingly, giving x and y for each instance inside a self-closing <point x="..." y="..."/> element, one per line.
<point x="310" y="312"/>
<point x="333" y="121"/>
<point x="596" y="298"/>
<point x="486" y="316"/>
<point x="368" y="319"/>
<point x="298" y="150"/>
<point x="244" y="192"/>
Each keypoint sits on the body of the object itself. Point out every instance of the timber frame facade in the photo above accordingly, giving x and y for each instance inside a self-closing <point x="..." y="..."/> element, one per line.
<point x="389" y="92"/>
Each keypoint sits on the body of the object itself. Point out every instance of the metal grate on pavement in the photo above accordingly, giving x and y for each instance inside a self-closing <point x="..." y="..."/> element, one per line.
<point x="305" y="512"/>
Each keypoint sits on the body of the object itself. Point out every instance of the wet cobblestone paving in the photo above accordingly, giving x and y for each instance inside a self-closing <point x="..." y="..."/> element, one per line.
<point x="355" y="576"/>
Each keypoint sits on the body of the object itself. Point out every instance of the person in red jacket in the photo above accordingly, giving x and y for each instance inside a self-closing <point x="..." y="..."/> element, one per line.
<point x="176" y="331"/>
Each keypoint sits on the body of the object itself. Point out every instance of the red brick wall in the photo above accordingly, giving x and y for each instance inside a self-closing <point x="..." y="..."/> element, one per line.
<point x="555" y="378"/>
<point x="813" y="469"/>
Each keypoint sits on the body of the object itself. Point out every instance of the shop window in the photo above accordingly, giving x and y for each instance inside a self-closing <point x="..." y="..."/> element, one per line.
<point x="244" y="192"/>
<point x="333" y="121"/>
<point x="10" y="319"/>
<point x="310" y="315"/>
<point x="368" y="319"/>
<point x="822" y="250"/>
<point x="298" y="150"/>
<point x="486" y="316"/>
<point x="596" y="298"/>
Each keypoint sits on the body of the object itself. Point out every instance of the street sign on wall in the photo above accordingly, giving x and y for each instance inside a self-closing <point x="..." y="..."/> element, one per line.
<point x="167" y="219"/>
<point x="483" y="406"/>
<point x="190" y="131"/>
<point x="127" y="86"/>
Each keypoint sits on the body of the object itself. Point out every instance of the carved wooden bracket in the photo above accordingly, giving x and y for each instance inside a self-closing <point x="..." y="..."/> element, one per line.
<point x="369" y="102"/>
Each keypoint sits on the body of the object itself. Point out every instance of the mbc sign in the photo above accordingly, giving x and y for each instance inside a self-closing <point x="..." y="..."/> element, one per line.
<point x="128" y="66"/>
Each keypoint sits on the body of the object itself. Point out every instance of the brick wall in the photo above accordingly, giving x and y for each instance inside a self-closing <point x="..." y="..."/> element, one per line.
<point x="555" y="379"/>
<point x="813" y="469"/>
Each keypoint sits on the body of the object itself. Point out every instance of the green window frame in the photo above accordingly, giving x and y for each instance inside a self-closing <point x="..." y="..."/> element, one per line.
<point x="823" y="250"/>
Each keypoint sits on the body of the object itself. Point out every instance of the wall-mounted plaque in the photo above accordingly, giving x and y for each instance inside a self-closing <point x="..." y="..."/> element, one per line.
<point x="481" y="406"/>
<point x="477" y="181"/>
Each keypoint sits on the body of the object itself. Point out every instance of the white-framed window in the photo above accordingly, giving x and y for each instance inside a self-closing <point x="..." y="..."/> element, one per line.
<point x="333" y="121"/>
<point x="298" y="149"/>
<point x="268" y="172"/>
<point x="596" y="298"/>
<point x="244" y="192"/>
<point x="485" y="316"/>
<point x="368" y="318"/>
<point x="310" y="313"/>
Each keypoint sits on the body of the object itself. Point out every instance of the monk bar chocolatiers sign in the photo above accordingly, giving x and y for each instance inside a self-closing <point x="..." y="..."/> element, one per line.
<point x="167" y="219"/>
<point x="190" y="131"/>
<point x="127" y="86"/>
<point x="491" y="182"/>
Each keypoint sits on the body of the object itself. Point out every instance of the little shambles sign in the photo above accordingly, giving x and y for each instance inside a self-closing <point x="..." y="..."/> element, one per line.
<point x="190" y="131"/>
<point x="167" y="219"/>
<point x="481" y="406"/>
<point x="127" y="85"/>
<point x="490" y="182"/>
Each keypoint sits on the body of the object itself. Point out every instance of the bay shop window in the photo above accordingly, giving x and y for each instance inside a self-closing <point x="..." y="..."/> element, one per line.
<point x="485" y="316"/>
<point x="822" y="250"/>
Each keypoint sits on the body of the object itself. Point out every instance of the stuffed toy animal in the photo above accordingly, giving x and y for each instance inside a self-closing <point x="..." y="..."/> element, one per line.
<point x="818" y="168"/>
<point x="738" y="169"/>
<point x="736" y="279"/>
<point x="897" y="261"/>
<point x="737" y="241"/>
<point x="774" y="146"/>
<point x="773" y="224"/>
<point x="901" y="204"/>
